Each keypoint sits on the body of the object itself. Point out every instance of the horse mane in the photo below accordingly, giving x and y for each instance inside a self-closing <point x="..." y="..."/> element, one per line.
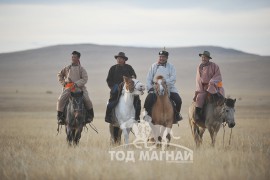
<point x="159" y="77"/>
<point x="230" y="102"/>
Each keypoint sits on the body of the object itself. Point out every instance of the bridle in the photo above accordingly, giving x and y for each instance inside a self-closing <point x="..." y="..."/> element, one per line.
<point x="163" y="83"/>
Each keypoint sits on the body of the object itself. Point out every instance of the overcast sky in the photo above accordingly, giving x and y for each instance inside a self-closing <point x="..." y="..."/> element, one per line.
<point x="238" y="24"/>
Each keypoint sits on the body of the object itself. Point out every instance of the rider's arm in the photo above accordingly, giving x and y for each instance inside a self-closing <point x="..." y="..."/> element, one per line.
<point x="110" y="78"/>
<point x="172" y="76"/>
<point x="81" y="82"/>
<point x="133" y="72"/>
<point x="61" y="76"/>
<point x="149" y="78"/>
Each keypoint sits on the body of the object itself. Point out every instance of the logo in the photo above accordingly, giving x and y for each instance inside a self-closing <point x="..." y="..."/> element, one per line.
<point x="152" y="143"/>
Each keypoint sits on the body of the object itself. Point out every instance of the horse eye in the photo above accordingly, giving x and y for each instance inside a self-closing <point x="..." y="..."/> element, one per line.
<point x="227" y="110"/>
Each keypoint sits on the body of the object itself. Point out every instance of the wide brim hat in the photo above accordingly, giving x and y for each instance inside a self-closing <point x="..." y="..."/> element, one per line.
<point x="206" y="53"/>
<point x="121" y="54"/>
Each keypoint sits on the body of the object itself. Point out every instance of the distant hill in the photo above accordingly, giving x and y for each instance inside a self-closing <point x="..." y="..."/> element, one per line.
<point x="35" y="70"/>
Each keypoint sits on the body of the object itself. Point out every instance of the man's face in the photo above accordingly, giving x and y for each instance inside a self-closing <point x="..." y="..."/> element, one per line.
<point x="205" y="59"/>
<point x="75" y="59"/>
<point x="162" y="59"/>
<point x="120" y="60"/>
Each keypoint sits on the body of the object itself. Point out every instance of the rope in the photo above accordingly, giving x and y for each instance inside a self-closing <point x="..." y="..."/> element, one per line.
<point x="93" y="127"/>
<point x="223" y="124"/>
<point x="230" y="137"/>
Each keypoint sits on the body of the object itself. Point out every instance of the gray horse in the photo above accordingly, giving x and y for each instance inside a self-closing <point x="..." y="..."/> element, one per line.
<point x="215" y="113"/>
<point x="75" y="117"/>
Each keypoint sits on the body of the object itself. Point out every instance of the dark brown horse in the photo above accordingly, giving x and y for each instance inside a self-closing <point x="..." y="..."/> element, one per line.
<point x="75" y="117"/>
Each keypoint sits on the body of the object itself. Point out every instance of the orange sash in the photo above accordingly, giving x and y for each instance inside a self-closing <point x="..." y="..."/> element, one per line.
<point x="70" y="85"/>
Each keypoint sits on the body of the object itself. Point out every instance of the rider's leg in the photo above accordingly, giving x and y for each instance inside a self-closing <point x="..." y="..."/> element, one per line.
<point x="178" y="103"/>
<point x="111" y="104"/>
<point x="148" y="104"/>
<point x="61" y="102"/>
<point x="199" y="104"/>
<point x="137" y="106"/>
<point x="89" y="107"/>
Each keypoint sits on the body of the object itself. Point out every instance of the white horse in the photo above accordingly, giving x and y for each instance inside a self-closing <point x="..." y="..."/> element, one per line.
<point x="124" y="110"/>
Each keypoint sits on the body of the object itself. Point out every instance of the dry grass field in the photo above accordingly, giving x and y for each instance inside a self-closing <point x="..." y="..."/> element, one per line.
<point x="30" y="148"/>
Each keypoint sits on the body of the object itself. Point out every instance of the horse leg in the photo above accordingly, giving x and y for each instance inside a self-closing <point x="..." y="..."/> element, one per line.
<point x="111" y="128"/>
<point x="126" y="135"/>
<point x="78" y="135"/>
<point x="69" y="134"/>
<point x="165" y="132"/>
<point x="213" y="135"/>
<point x="155" y="133"/>
<point x="196" y="134"/>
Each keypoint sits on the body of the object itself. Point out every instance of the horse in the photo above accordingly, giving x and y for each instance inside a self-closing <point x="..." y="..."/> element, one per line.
<point x="75" y="114"/>
<point x="124" y="112"/>
<point x="215" y="113"/>
<point x="162" y="112"/>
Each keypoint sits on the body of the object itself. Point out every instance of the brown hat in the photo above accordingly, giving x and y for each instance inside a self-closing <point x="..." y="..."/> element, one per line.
<point x="121" y="54"/>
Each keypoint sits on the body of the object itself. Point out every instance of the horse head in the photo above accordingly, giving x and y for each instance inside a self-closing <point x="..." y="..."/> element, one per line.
<point x="160" y="86"/>
<point x="228" y="112"/>
<point x="77" y="103"/>
<point x="133" y="85"/>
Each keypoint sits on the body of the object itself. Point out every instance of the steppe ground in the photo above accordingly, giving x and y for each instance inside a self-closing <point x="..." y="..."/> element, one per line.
<point x="30" y="148"/>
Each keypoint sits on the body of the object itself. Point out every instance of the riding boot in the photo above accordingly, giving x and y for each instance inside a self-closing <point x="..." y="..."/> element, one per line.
<point x="148" y="104"/>
<point x="89" y="116"/>
<point x="108" y="117"/>
<point x="198" y="112"/>
<point x="60" y="118"/>
<point x="178" y="117"/>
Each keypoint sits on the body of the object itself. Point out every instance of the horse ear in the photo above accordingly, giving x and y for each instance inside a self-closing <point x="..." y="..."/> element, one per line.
<point x="234" y="100"/>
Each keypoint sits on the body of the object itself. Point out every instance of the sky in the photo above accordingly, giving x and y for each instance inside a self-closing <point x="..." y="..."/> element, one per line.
<point x="239" y="24"/>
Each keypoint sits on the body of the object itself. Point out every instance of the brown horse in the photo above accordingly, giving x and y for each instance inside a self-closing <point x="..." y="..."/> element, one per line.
<point x="215" y="113"/>
<point x="162" y="112"/>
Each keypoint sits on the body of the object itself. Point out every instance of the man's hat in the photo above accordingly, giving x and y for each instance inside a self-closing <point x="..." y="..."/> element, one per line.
<point x="163" y="52"/>
<point x="206" y="53"/>
<point x="76" y="53"/>
<point x="121" y="54"/>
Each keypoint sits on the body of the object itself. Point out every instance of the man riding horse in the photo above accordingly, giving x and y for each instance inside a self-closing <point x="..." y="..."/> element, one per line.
<point x="208" y="80"/>
<point x="115" y="83"/>
<point x="167" y="70"/>
<point x="71" y="77"/>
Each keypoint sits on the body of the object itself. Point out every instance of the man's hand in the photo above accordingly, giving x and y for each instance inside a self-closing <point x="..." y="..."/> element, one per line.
<point x="195" y="96"/>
